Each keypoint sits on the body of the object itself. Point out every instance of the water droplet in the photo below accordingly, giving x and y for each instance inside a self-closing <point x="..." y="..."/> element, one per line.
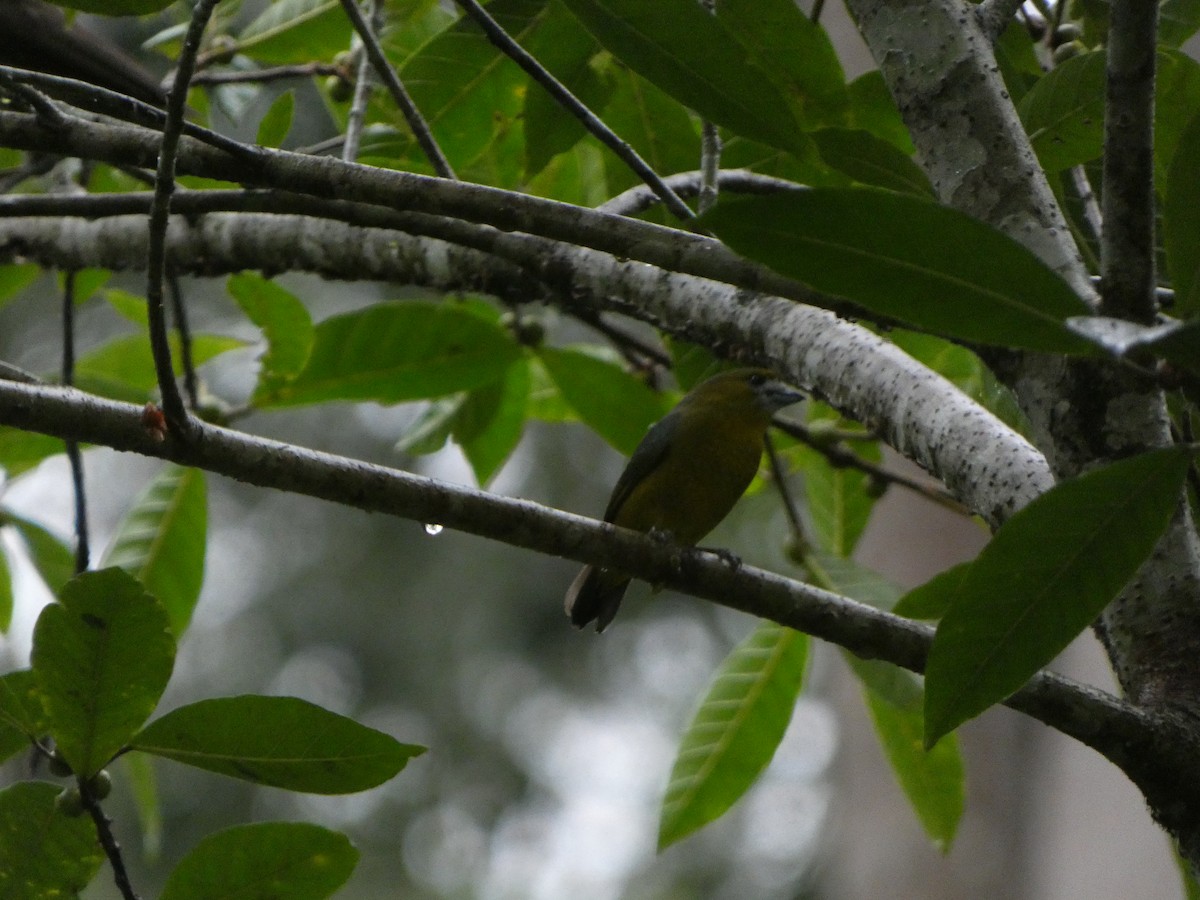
<point x="432" y="528"/>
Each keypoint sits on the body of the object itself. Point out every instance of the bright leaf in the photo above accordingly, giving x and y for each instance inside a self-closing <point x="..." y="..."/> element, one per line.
<point x="1064" y="112"/>
<point x="279" y="741"/>
<point x="616" y="404"/>
<point x="736" y="730"/>
<point x="931" y="779"/>
<point x="264" y="861"/>
<point x="1181" y="223"/>
<point x="285" y="324"/>
<point x="711" y="72"/>
<point x="161" y="541"/>
<point x="102" y="657"/>
<point x="399" y="352"/>
<point x="43" y="854"/>
<point x="51" y="557"/>
<point x="907" y="259"/>
<point x="1046" y="575"/>
<point x="489" y="422"/>
<point x="931" y="599"/>
<point x="277" y="121"/>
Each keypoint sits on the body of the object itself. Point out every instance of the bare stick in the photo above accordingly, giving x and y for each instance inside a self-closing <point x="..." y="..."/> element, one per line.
<point x="383" y="68"/>
<point x="74" y="457"/>
<point x="1127" y="246"/>
<point x="575" y="107"/>
<point x="177" y="417"/>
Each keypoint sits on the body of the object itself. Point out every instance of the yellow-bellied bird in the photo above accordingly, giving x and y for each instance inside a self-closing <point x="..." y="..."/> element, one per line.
<point x="685" y="475"/>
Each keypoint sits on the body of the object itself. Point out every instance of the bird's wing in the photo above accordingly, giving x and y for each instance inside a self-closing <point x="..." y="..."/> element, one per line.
<point x="648" y="456"/>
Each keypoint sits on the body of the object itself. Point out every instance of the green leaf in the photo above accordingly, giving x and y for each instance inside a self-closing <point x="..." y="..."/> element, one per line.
<point x="131" y="306"/>
<point x="265" y="861"/>
<point x="931" y="779"/>
<point x="278" y="741"/>
<point x="431" y="430"/>
<point x="51" y="557"/>
<point x="470" y="93"/>
<point x="710" y="71"/>
<point x="1178" y="20"/>
<point x="873" y="109"/>
<point x="88" y="283"/>
<point x="123" y="369"/>
<point x="736" y="730"/>
<point x="1181" y="223"/>
<point x="21" y="451"/>
<point x="291" y="31"/>
<point x="871" y="160"/>
<point x="285" y="324"/>
<point x="489" y="423"/>
<point x="1046" y="575"/>
<point x="566" y="50"/>
<point x="657" y="127"/>
<point x="15" y="278"/>
<point x="838" y="503"/>
<point x="907" y="259"/>
<point x="161" y="541"/>
<point x="277" y="121"/>
<point x="1018" y="60"/>
<point x="399" y="352"/>
<point x="794" y="52"/>
<point x="43" y="853"/>
<point x="931" y="599"/>
<point x="102" y="657"/>
<point x="1063" y="112"/>
<point x="143" y="786"/>
<point x="1176" y="103"/>
<point x="21" y="717"/>
<point x="615" y="404"/>
<point x="21" y="704"/>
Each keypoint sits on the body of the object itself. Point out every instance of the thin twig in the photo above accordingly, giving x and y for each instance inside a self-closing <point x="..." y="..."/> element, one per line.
<point x="49" y="114"/>
<point x="9" y="372"/>
<point x="274" y="73"/>
<point x="1127" y="244"/>
<point x="120" y="106"/>
<point x="688" y="184"/>
<point x="790" y="507"/>
<point x="412" y="115"/>
<point x="841" y="457"/>
<point x="710" y="150"/>
<point x="191" y="383"/>
<point x="108" y="842"/>
<point x="74" y="457"/>
<point x="1087" y="200"/>
<point x="568" y="101"/>
<point x="624" y="340"/>
<point x="710" y="165"/>
<point x="156" y="265"/>
<point x="363" y="84"/>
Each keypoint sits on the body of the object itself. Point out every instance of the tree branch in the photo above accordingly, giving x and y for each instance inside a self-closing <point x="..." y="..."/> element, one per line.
<point x="1127" y="239"/>
<point x="984" y="463"/>
<point x="1129" y="737"/>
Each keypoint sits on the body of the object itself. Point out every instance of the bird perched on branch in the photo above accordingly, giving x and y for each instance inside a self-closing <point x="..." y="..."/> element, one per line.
<point x="685" y="476"/>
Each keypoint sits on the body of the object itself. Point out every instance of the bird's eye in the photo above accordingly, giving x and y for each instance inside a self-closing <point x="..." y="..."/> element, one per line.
<point x="757" y="379"/>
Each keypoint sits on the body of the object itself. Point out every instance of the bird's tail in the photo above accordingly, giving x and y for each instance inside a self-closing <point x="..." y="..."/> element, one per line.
<point x="595" y="594"/>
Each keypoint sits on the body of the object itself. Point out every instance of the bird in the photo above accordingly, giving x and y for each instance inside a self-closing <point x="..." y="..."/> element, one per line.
<point x="35" y="35"/>
<point x="685" y="476"/>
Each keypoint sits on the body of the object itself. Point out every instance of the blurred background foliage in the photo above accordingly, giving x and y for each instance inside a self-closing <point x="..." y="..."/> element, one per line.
<point x="549" y="749"/>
